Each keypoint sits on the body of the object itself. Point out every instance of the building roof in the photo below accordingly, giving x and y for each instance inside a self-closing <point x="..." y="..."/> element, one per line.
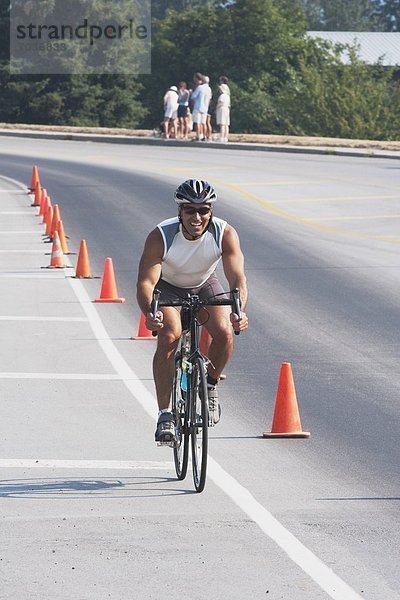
<point x="373" y="47"/>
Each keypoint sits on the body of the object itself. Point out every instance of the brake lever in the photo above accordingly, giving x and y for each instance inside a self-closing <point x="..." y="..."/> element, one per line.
<point x="154" y="307"/>
<point x="236" y="304"/>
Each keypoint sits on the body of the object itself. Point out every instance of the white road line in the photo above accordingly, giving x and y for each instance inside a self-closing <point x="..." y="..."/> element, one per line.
<point x="45" y="274"/>
<point x="50" y="376"/>
<point x="30" y="463"/>
<point x="22" y="251"/>
<point x="22" y="187"/>
<point x="15" y="212"/>
<point x="19" y="232"/>
<point x="11" y="191"/>
<point x="310" y="563"/>
<point x="28" y="318"/>
<point x="320" y="573"/>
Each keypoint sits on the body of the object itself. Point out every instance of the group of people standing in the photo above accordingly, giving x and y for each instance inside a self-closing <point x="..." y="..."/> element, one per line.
<point x="186" y="110"/>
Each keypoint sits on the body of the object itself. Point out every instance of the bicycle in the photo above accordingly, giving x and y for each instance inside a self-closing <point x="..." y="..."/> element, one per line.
<point x="189" y="390"/>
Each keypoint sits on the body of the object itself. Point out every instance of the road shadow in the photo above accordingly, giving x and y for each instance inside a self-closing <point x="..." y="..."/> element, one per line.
<point x="83" y="488"/>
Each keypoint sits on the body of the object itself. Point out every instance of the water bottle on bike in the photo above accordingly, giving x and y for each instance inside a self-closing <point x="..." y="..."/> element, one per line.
<point x="185" y="363"/>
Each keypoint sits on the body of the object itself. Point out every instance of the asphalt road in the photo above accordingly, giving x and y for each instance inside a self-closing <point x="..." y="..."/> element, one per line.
<point x="292" y="519"/>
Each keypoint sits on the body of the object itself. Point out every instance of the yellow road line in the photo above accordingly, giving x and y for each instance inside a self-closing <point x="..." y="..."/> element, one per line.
<point x="280" y="182"/>
<point x="302" y="221"/>
<point x="348" y="218"/>
<point x="199" y="168"/>
<point x="334" y="199"/>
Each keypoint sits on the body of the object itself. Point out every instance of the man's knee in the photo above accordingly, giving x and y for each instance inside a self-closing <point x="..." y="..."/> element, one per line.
<point x="167" y="341"/>
<point x="222" y="335"/>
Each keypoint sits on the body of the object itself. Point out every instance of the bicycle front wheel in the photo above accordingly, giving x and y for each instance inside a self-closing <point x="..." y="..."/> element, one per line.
<point x="199" y="423"/>
<point x="179" y="410"/>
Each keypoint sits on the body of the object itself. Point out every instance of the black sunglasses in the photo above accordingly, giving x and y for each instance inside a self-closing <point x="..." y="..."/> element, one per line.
<point x="202" y="210"/>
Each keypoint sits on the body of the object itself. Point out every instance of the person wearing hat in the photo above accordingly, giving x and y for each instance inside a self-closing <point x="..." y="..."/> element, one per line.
<point x="170" y="112"/>
<point x="223" y="110"/>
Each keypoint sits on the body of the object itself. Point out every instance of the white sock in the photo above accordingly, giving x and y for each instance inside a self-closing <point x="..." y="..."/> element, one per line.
<point x="162" y="411"/>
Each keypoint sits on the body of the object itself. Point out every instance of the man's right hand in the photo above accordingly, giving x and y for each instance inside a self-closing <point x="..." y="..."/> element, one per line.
<point x="154" y="324"/>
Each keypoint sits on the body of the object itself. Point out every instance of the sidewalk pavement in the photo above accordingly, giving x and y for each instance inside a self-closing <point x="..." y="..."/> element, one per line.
<point x="67" y="392"/>
<point x="326" y="150"/>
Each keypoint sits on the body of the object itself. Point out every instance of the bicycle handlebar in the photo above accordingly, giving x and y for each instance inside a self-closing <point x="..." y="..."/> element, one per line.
<point x="234" y="302"/>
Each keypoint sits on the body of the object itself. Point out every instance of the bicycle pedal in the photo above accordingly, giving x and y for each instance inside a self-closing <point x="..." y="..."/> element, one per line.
<point x="170" y="444"/>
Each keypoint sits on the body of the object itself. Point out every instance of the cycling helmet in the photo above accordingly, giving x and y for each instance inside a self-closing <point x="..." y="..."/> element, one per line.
<point x="195" y="191"/>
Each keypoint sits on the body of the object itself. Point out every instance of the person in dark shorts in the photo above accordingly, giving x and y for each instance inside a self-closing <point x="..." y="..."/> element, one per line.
<point x="180" y="255"/>
<point x="183" y="110"/>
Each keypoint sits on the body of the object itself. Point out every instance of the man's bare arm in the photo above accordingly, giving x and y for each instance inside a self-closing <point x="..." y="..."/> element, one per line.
<point x="149" y="270"/>
<point x="233" y="263"/>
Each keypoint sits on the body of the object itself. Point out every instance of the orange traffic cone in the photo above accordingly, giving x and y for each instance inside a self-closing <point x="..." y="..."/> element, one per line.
<point x="286" y="421"/>
<point x="57" y="258"/>
<point x="34" y="179"/>
<point x="63" y="239"/>
<point x="143" y="333"/>
<point x="55" y="219"/>
<point x="205" y="341"/>
<point x="38" y="195"/>
<point x="83" y="264"/>
<point x="48" y="219"/>
<point x="44" y="204"/>
<point x="108" y="286"/>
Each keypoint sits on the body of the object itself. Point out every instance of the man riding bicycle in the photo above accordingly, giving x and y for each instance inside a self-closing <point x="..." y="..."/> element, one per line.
<point x="180" y="257"/>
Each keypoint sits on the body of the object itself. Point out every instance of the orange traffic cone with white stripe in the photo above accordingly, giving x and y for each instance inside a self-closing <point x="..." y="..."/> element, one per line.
<point x="35" y="179"/>
<point x="83" y="265"/>
<point x="57" y="257"/>
<point x="143" y="333"/>
<point x="108" y="291"/>
<point x="286" y="422"/>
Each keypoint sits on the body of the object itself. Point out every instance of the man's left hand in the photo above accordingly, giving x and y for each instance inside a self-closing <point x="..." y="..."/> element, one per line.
<point x="239" y="323"/>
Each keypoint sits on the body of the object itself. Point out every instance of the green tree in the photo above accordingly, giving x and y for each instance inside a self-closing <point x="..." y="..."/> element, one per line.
<point x="98" y="100"/>
<point x="4" y="31"/>
<point x="80" y="100"/>
<point x="314" y="14"/>
<point x="387" y="14"/>
<point x="328" y="98"/>
<point x="159" y="8"/>
<point x="253" y="42"/>
<point x="340" y="15"/>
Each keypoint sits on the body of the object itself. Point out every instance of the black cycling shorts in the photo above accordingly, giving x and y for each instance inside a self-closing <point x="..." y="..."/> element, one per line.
<point x="207" y="291"/>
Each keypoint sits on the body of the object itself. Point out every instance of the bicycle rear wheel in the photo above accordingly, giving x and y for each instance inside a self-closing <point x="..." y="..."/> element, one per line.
<point x="199" y="423"/>
<point x="179" y="410"/>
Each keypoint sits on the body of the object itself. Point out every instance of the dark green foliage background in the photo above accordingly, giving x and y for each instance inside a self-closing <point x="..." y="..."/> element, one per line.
<point x="281" y="81"/>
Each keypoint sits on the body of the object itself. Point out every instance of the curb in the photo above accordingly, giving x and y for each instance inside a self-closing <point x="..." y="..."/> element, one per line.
<point x="253" y="146"/>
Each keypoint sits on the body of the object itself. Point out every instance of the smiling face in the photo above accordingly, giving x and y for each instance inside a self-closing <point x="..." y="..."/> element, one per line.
<point x="195" y="219"/>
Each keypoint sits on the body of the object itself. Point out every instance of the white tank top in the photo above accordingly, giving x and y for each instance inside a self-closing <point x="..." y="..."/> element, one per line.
<point x="189" y="263"/>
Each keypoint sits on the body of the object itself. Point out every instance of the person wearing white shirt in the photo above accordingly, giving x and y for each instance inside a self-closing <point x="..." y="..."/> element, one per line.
<point x="201" y="96"/>
<point x="170" y="111"/>
<point x="223" y="111"/>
